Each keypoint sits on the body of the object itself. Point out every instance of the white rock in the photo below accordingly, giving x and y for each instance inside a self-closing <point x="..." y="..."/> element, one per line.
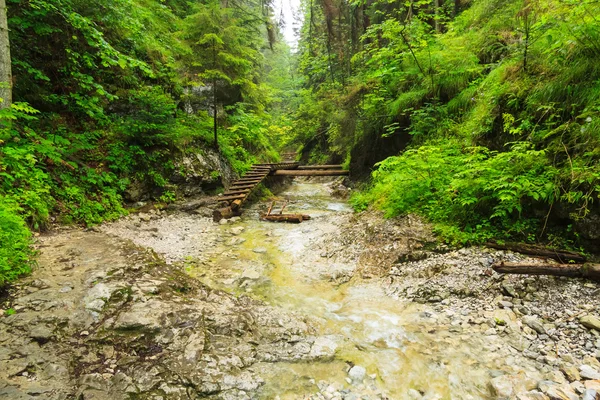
<point x="357" y="373"/>
<point x="588" y="372"/>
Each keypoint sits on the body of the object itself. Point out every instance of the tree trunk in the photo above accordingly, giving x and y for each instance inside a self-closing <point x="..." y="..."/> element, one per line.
<point x="561" y="256"/>
<point x="438" y="28"/>
<point x="591" y="271"/>
<point x="214" y="83"/>
<point x="5" y="67"/>
<point x="215" y="113"/>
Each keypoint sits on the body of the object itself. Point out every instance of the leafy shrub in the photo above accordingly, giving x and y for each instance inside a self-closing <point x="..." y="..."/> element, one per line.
<point x="15" y="246"/>
<point x="471" y="193"/>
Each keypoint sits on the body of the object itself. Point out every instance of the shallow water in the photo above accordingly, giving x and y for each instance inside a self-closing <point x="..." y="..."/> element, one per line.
<point x="402" y="345"/>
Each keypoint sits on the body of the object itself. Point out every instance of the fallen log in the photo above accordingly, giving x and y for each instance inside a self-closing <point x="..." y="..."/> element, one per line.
<point x="294" y="218"/>
<point x="590" y="271"/>
<point x="561" y="256"/>
<point x="224" y="213"/>
<point x="313" y="167"/>
<point x="297" y="172"/>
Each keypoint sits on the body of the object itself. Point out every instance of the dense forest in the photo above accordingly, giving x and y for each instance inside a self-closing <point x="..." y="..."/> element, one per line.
<point x="483" y="116"/>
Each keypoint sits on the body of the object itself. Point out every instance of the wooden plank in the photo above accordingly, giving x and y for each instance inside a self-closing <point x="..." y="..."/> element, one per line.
<point x="251" y="178"/>
<point x="241" y="187"/>
<point x="286" y="172"/>
<point x="235" y="197"/>
<point x="227" y="193"/>
<point x="311" y="167"/>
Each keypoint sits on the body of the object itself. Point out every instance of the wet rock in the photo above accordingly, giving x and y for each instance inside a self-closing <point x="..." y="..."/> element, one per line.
<point x="357" y="373"/>
<point x="590" y="322"/>
<point x="237" y="230"/>
<point x="323" y="347"/>
<point x="236" y="241"/>
<point x="259" y="250"/>
<point x="250" y="274"/>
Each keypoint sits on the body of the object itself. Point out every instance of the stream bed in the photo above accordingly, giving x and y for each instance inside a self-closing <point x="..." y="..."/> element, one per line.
<point x="170" y="305"/>
<point x="398" y="348"/>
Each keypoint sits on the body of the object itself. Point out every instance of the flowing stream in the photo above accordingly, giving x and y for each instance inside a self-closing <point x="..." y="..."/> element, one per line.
<point x="402" y="345"/>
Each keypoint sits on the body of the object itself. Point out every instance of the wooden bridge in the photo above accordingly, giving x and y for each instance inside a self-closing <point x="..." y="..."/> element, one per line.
<point x="240" y="190"/>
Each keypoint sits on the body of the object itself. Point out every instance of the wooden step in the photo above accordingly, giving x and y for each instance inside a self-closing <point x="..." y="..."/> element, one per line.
<point x="227" y="193"/>
<point x="241" y="186"/>
<point x="249" y="181"/>
<point x="234" y="197"/>
<point x="254" y="176"/>
<point x="291" y="172"/>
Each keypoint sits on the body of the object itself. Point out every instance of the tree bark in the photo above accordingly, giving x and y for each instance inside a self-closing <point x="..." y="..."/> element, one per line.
<point x="438" y="28"/>
<point x="591" y="271"/>
<point x="561" y="256"/>
<point x="5" y="61"/>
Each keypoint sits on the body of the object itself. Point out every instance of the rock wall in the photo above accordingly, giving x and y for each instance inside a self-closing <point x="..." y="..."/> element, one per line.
<point x="196" y="171"/>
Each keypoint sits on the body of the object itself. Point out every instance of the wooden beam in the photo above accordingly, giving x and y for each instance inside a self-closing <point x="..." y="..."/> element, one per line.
<point x="591" y="271"/>
<point x="249" y="180"/>
<point x="558" y="255"/>
<point x="289" y="172"/>
<point x="235" y="197"/>
<point x="227" y="193"/>
<point x="310" y="167"/>
<point x="241" y="186"/>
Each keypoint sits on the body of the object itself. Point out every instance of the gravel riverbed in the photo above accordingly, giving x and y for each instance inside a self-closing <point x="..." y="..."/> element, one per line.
<point x="170" y="305"/>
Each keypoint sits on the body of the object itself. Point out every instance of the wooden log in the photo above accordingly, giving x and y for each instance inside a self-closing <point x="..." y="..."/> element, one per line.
<point x="591" y="271"/>
<point x="294" y="218"/>
<point x="311" y="167"/>
<point x="235" y="205"/>
<point x="297" y="172"/>
<point x="561" y="256"/>
<point x="220" y="213"/>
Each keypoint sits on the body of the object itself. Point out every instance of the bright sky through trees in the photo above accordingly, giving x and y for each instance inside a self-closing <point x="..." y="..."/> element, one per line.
<point x="286" y="11"/>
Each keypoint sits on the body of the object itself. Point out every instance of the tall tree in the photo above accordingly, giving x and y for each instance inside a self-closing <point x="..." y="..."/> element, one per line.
<point x="226" y="54"/>
<point x="5" y="67"/>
